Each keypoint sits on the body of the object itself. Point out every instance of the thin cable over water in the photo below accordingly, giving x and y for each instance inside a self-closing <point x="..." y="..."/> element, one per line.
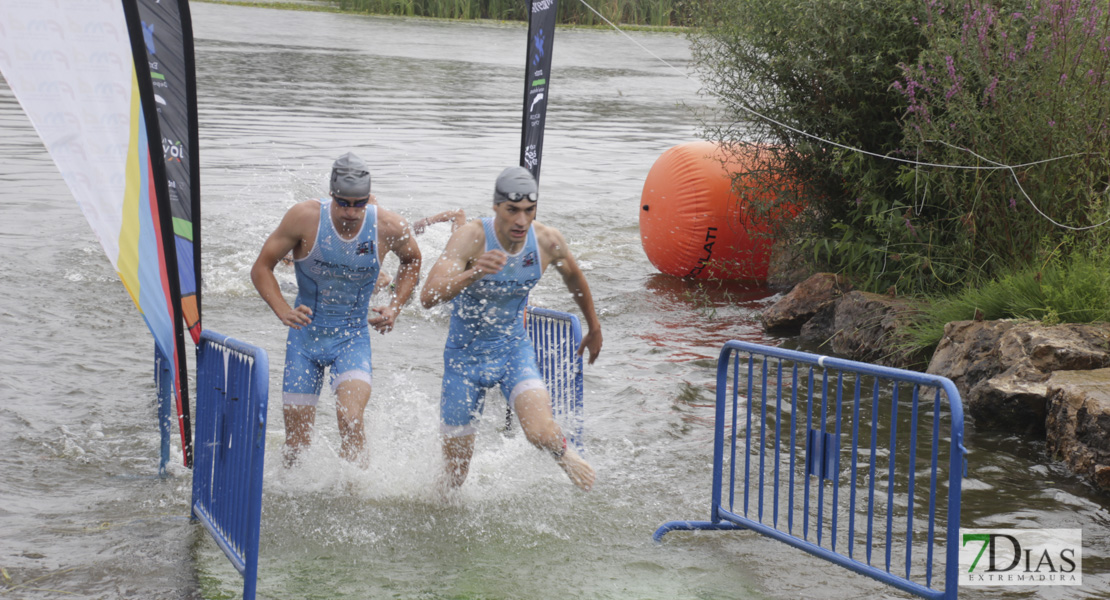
<point x="994" y="166"/>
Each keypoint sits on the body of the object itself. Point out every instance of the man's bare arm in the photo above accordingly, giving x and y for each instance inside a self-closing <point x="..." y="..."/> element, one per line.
<point x="282" y="241"/>
<point x="575" y="280"/>
<point x="401" y="242"/>
<point x="450" y="274"/>
<point x="457" y="218"/>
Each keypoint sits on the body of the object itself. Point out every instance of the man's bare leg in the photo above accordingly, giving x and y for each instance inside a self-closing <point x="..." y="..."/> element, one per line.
<point x="299" y="421"/>
<point x="533" y="408"/>
<point x="456" y="456"/>
<point x="351" y="399"/>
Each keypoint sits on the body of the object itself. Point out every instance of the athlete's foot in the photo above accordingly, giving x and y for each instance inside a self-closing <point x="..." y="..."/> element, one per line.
<point x="446" y="490"/>
<point x="357" y="457"/>
<point x="580" y="472"/>
<point x="290" y="455"/>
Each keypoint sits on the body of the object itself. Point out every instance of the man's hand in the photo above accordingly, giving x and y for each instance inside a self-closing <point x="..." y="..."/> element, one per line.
<point x="383" y="321"/>
<point x="297" y="317"/>
<point x="591" y="340"/>
<point x="490" y="262"/>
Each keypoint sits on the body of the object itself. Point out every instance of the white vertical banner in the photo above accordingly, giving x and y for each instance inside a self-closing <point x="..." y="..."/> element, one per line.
<point x="69" y="64"/>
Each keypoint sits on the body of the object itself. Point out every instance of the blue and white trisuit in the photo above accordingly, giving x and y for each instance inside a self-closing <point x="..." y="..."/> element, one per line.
<point x="335" y="280"/>
<point x="487" y="344"/>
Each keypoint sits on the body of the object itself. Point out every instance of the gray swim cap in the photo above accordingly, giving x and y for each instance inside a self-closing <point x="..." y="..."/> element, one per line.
<point x="350" y="177"/>
<point x="515" y="184"/>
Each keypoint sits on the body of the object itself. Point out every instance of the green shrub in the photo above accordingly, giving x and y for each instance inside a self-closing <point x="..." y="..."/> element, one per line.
<point x="970" y="83"/>
<point x="824" y="68"/>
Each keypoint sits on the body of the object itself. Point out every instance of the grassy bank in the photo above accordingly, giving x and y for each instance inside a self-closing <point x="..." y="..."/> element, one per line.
<point x="1073" y="288"/>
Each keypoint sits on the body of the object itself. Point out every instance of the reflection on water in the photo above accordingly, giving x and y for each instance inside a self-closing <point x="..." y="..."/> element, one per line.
<point x="435" y="108"/>
<point x="699" y="316"/>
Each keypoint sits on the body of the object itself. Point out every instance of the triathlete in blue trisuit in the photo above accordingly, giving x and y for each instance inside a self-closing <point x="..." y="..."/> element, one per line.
<point x="338" y="246"/>
<point x="488" y="268"/>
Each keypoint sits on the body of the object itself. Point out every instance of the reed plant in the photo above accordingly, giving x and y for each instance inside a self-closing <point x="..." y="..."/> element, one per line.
<point x="657" y="13"/>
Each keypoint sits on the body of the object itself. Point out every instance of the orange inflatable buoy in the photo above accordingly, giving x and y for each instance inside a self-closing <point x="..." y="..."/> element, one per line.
<point x="692" y="224"/>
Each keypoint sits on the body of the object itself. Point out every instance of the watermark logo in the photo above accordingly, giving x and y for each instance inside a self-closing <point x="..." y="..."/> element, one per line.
<point x="51" y="58"/>
<point x="101" y="28"/>
<point x="1021" y="557"/>
<point x="106" y="59"/>
<point x="49" y="27"/>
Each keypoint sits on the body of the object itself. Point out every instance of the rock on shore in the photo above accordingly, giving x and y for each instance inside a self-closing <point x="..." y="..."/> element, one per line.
<point x="1051" y="382"/>
<point x="1002" y="368"/>
<point x="1078" y="422"/>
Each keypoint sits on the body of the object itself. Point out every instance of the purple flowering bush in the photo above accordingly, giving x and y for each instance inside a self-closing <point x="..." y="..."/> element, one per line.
<point x="1023" y="85"/>
<point x="964" y="86"/>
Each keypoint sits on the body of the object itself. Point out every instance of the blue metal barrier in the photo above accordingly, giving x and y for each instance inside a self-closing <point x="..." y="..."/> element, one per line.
<point x="822" y="441"/>
<point x="230" y="444"/>
<point x="556" y="336"/>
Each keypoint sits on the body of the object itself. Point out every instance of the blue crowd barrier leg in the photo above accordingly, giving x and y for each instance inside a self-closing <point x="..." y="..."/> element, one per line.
<point x="670" y="526"/>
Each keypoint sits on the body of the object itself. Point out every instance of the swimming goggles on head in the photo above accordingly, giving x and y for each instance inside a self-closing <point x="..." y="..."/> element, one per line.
<point x="518" y="196"/>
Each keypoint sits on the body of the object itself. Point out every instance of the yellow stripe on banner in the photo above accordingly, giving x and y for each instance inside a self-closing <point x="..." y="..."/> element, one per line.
<point x="128" y="263"/>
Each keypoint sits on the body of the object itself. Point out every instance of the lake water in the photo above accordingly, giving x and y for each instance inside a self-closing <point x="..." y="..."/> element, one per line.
<point x="434" y="107"/>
